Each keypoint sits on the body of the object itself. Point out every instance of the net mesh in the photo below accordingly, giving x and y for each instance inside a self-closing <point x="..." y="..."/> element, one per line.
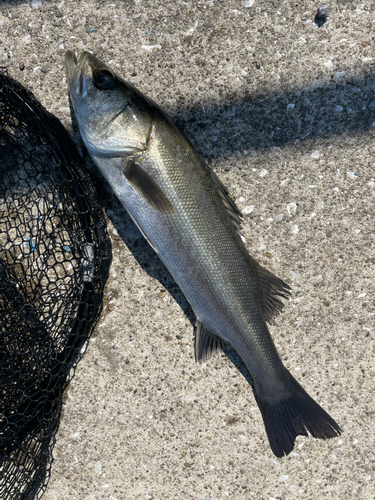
<point x="54" y="260"/>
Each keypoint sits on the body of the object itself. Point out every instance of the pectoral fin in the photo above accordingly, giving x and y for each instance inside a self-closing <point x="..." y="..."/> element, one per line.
<point x="206" y="343"/>
<point x="146" y="187"/>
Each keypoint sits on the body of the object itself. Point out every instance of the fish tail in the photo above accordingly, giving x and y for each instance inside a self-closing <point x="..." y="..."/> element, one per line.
<point x="292" y="416"/>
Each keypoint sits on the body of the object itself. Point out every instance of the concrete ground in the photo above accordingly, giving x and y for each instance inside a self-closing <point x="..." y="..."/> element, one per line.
<point x="284" y="112"/>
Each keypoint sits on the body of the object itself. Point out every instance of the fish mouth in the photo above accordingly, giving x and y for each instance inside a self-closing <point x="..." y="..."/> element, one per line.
<point x="79" y="70"/>
<point x="75" y="73"/>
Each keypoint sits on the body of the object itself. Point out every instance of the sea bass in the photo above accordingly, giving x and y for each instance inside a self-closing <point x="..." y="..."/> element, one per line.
<point x="187" y="216"/>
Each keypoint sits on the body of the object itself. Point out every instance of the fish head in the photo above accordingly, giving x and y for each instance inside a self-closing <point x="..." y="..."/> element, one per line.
<point x="111" y="115"/>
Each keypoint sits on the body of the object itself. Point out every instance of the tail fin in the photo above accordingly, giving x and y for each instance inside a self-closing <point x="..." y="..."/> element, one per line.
<point x="294" y="416"/>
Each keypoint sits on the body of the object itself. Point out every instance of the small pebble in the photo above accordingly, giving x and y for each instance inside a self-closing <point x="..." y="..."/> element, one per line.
<point x="248" y="210"/>
<point x="291" y="207"/>
<point x="352" y="175"/>
<point x="321" y="16"/>
<point x="262" y="245"/>
<point x="44" y="69"/>
<point x="150" y="48"/>
<point x="36" y="4"/>
<point x="189" y="399"/>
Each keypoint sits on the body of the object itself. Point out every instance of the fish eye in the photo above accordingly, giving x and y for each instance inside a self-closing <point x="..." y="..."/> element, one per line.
<point x="103" y="79"/>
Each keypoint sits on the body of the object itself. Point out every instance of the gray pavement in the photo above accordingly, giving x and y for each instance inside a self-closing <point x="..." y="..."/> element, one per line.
<point x="284" y="112"/>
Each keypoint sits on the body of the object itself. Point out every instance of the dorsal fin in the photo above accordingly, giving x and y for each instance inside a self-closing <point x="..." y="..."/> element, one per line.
<point x="233" y="211"/>
<point x="206" y="343"/>
<point x="271" y="288"/>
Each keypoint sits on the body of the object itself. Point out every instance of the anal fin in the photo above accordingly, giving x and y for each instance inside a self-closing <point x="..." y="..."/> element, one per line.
<point x="206" y="343"/>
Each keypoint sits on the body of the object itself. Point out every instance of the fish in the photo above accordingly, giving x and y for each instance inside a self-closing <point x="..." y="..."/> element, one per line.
<point x="187" y="216"/>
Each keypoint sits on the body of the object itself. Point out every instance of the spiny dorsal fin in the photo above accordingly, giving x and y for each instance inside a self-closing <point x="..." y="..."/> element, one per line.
<point x="271" y="288"/>
<point x="232" y="210"/>
<point x="206" y="343"/>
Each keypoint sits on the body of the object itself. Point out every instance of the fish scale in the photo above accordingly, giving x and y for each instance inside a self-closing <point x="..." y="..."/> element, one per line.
<point x="187" y="216"/>
<point x="209" y="238"/>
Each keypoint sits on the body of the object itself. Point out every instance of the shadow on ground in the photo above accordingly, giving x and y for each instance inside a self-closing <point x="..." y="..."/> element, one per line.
<point x="336" y="107"/>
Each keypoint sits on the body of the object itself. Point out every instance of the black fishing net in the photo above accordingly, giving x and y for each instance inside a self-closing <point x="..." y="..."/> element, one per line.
<point x="54" y="261"/>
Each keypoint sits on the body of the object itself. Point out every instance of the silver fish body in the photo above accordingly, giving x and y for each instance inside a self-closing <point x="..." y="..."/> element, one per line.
<point x="187" y="216"/>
